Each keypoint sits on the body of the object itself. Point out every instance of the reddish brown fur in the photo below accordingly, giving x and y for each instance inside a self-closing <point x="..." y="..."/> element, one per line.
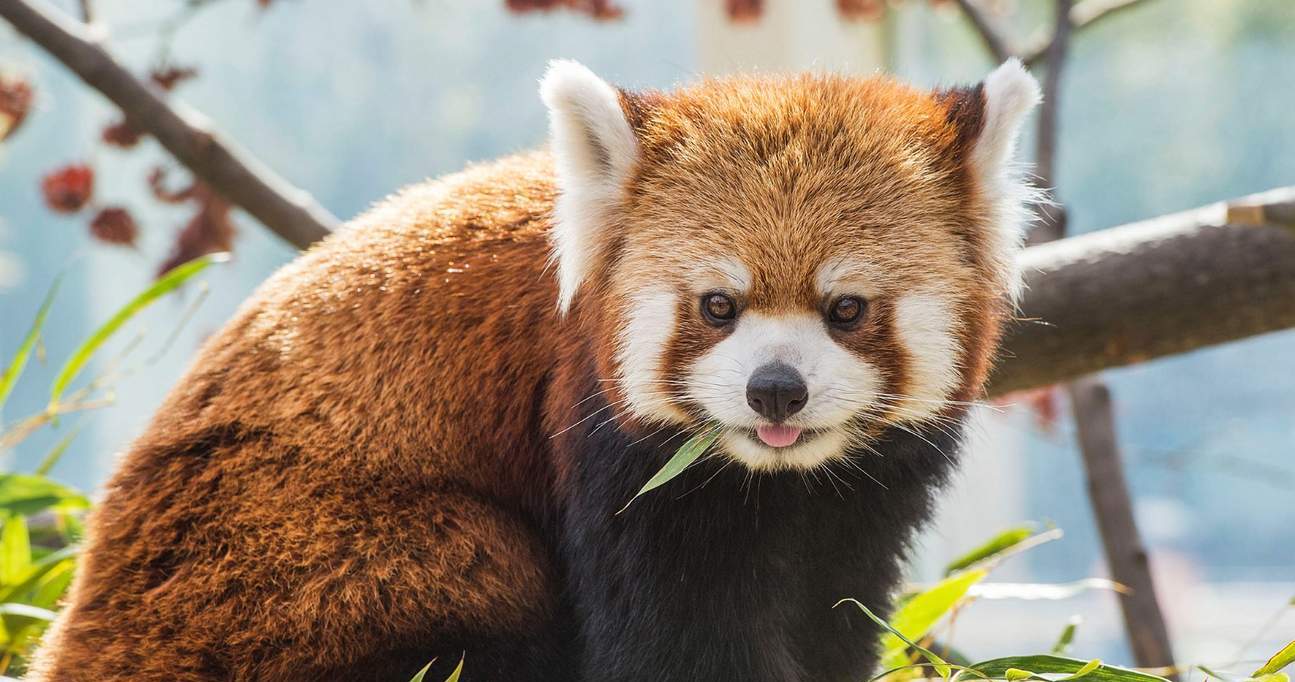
<point x="359" y="460"/>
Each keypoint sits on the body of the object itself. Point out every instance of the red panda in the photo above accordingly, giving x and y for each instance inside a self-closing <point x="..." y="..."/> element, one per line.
<point x="411" y="443"/>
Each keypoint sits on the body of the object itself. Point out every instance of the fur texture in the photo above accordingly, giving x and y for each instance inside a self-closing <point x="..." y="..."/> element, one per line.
<point x="412" y="441"/>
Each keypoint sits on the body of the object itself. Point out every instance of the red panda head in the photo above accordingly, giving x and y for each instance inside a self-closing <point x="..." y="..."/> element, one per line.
<point x="799" y="261"/>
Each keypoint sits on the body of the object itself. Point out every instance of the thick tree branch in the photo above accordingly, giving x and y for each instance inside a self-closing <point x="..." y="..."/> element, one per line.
<point x="289" y="212"/>
<point x="1138" y="292"/>
<point x="1083" y="15"/>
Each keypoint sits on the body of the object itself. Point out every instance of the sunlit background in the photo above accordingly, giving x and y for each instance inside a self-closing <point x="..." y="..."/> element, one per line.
<point x="1172" y="105"/>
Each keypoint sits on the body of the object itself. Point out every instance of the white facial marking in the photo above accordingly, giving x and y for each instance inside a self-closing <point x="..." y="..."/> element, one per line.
<point x="723" y="273"/>
<point x="844" y="274"/>
<point x="926" y="328"/>
<point x="839" y="382"/>
<point x="648" y="328"/>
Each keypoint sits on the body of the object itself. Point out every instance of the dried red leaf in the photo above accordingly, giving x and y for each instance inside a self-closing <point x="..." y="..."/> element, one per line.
<point x="1042" y="403"/>
<point x="170" y="76"/>
<point x="210" y="230"/>
<point x="157" y="183"/>
<point x="121" y="134"/>
<point x="15" y="101"/>
<point x="602" y="10"/>
<point x="861" y="10"/>
<point x="744" y="11"/>
<point x="69" y="188"/>
<point x="114" y="225"/>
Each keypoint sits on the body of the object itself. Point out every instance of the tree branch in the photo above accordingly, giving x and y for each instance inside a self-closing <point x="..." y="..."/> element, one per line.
<point x="992" y="36"/>
<point x="1168" y="285"/>
<point x="286" y="210"/>
<point x="1083" y="15"/>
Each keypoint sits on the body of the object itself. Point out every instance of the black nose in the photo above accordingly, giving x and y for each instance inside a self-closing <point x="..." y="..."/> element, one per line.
<point x="776" y="391"/>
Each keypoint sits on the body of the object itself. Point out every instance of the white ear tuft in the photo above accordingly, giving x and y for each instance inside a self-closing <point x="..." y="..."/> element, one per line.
<point x="594" y="150"/>
<point x="1010" y="93"/>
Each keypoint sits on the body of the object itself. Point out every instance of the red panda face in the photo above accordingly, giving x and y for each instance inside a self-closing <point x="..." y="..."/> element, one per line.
<point x="798" y="262"/>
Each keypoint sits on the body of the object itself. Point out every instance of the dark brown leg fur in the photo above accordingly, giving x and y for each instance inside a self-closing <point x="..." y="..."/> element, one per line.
<point x="255" y="560"/>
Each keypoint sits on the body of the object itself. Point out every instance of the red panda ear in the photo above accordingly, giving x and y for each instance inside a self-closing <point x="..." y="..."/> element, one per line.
<point x="594" y="150"/>
<point x="988" y="119"/>
<point x="1009" y="93"/>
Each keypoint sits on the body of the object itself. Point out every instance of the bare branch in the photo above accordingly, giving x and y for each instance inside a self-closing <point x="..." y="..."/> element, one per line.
<point x="1134" y="293"/>
<point x="992" y="36"/>
<point x="1053" y="223"/>
<point x="1083" y="15"/>
<point x="286" y="210"/>
<point x="1108" y="490"/>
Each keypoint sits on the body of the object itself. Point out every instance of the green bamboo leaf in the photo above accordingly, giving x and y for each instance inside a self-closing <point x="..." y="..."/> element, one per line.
<point x="684" y="456"/>
<point x="940" y="665"/>
<point x="39" y="572"/>
<point x="1044" y="663"/>
<point x="1015" y="674"/>
<point x="51" y="586"/>
<point x="920" y="613"/>
<point x="992" y="547"/>
<point x="53" y="456"/>
<point x="1217" y="675"/>
<point x="19" y="361"/>
<point x="1280" y="660"/>
<point x="1088" y="668"/>
<point x="458" y="670"/>
<point x="25" y="494"/>
<point x="1067" y="637"/>
<point x="15" y="550"/>
<point x="422" y="673"/>
<point x="168" y="282"/>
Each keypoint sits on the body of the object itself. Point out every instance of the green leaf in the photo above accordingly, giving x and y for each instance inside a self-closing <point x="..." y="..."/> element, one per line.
<point x="1280" y="660"/>
<point x="38" y="574"/>
<point x="422" y="673"/>
<point x="458" y="670"/>
<point x="938" y="663"/>
<point x="1217" y="675"/>
<point x="997" y="668"/>
<point x="1067" y="637"/>
<point x="19" y="361"/>
<point x="53" y="456"/>
<point x="25" y="494"/>
<point x="920" y="613"/>
<point x="15" y="550"/>
<point x="684" y="456"/>
<point x="1088" y="668"/>
<point x="168" y="282"/>
<point x="1014" y="674"/>
<point x="53" y="584"/>
<point x="992" y="547"/>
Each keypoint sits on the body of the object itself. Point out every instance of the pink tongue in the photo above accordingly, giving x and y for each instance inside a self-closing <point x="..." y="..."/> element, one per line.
<point x="777" y="435"/>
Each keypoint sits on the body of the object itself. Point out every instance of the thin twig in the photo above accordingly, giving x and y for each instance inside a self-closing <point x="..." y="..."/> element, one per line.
<point x="992" y="36"/>
<point x="1083" y="15"/>
<point x="1052" y="224"/>
<point x="287" y="211"/>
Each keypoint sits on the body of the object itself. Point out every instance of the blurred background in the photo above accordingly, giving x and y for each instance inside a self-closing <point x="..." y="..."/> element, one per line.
<point x="1170" y="105"/>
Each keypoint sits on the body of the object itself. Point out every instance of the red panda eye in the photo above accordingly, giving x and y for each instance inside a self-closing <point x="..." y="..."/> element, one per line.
<point x="846" y="311"/>
<point x="718" y="309"/>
